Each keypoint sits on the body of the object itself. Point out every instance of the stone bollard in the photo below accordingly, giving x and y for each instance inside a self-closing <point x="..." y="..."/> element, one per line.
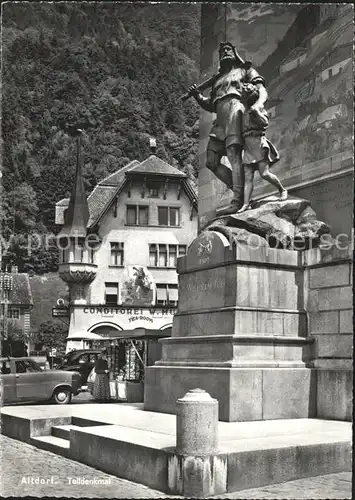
<point x="196" y="423"/>
<point x="197" y="470"/>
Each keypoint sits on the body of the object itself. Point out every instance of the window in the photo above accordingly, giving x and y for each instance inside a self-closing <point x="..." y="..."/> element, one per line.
<point x="167" y="295"/>
<point x="172" y="255"/>
<point x="92" y="358"/>
<point x="84" y="359"/>
<point x="28" y="365"/>
<point x="153" y="189"/>
<point x="131" y="214"/>
<point x="117" y="253"/>
<point x="79" y="251"/>
<point x="92" y="255"/>
<point x="165" y="255"/>
<point x="330" y="73"/>
<point x="168" y="216"/>
<point x="6" y="368"/>
<point x="14" y="313"/>
<point x="182" y="250"/>
<point x="111" y="294"/>
<point x="137" y="215"/>
<point x="153" y="255"/>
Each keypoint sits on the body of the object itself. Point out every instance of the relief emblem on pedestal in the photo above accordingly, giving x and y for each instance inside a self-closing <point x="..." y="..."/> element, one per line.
<point x="205" y="245"/>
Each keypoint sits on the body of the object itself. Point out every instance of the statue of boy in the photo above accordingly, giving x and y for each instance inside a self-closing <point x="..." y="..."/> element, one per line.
<point x="259" y="152"/>
<point x="226" y="134"/>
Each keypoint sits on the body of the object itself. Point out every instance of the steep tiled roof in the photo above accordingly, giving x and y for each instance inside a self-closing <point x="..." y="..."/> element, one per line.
<point x="105" y="191"/>
<point x="98" y="200"/>
<point x="21" y="291"/>
<point x="154" y="165"/>
<point x="116" y="178"/>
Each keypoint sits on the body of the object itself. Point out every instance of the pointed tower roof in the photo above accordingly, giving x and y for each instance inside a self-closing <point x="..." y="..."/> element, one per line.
<point x="77" y="214"/>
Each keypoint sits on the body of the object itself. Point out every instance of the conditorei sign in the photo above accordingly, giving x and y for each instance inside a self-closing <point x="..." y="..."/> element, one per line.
<point x="133" y="314"/>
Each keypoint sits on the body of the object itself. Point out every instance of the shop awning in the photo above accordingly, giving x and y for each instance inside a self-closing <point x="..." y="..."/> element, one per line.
<point x="161" y="293"/>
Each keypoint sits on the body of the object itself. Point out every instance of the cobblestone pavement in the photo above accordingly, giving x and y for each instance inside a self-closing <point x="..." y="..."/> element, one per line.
<point x="331" y="486"/>
<point x="23" y="464"/>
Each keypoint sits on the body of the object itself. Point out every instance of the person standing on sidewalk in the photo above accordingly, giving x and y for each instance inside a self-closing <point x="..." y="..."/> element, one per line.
<point x="101" y="390"/>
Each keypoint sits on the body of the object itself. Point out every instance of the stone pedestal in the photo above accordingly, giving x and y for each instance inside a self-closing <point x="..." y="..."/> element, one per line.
<point x="240" y="334"/>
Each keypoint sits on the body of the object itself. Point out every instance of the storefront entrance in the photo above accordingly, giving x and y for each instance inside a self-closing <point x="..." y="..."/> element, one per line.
<point x="128" y="353"/>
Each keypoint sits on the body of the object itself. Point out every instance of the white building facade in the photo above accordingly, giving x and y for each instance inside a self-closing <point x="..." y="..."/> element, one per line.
<point x="124" y="283"/>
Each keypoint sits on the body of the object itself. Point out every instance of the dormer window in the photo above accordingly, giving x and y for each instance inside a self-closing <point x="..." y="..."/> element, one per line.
<point x="153" y="189"/>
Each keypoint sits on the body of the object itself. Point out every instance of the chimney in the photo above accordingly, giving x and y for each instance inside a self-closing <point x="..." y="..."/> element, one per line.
<point x="153" y="145"/>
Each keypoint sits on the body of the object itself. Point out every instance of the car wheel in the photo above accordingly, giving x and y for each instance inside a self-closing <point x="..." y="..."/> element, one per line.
<point x="62" y="396"/>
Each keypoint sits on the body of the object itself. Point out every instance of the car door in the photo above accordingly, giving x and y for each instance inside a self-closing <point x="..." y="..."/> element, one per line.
<point x="9" y="380"/>
<point x="30" y="381"/>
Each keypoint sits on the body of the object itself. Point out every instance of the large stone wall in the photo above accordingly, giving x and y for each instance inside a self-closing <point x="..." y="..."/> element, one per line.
<point x="330" y="322"/>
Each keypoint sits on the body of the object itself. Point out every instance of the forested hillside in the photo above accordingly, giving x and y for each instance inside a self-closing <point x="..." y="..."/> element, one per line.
<point x="115" y="70"/>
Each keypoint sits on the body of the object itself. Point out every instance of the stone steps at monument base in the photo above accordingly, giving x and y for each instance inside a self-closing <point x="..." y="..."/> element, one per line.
<point x="63" y="431"/>
<point x="142" y="448"/>
<point x="54" y="444"/>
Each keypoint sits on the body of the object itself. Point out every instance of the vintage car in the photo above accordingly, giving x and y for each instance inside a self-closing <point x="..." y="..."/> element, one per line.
<point x="24" y="380"/>
<point x="82" y="361"/>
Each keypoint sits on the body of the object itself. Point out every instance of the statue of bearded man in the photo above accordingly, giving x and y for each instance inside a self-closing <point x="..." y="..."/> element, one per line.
<point x="226" y="134"/>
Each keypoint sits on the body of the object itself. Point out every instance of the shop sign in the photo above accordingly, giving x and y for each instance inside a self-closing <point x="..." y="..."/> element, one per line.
<point x="60" y="312"/>
<point x="147" y="314"/>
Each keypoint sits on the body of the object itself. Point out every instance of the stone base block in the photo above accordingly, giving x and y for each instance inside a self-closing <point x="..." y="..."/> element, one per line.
<point x="235" y="351"/>
<point x="335" y="394"/>
<point x="224" y="321"/>
<point x="244" y="394"/>
<point x="197" y="476"/>
<point x="135" y="392"/>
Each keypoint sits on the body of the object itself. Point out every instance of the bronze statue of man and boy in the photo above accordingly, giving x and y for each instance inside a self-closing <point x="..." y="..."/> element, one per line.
<point x="237" y="97"/>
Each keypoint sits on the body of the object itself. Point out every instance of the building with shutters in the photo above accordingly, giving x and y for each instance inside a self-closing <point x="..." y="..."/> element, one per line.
<point x="18" y="315"/>
<point x="119" y="249"/>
